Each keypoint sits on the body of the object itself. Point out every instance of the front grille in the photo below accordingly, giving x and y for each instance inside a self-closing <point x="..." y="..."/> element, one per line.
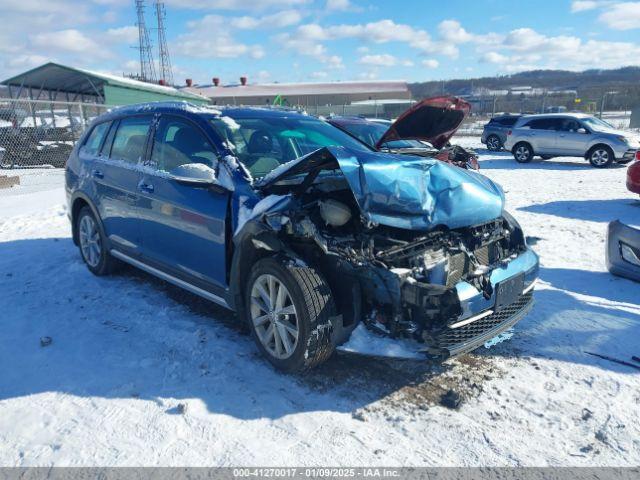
<point x="455" y="338"/>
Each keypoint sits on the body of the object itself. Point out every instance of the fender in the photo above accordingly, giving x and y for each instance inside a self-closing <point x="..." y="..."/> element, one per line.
<point x="73" y="211"/>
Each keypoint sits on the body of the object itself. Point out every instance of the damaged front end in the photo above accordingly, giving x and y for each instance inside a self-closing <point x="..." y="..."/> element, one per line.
<point x="411" y="247"/>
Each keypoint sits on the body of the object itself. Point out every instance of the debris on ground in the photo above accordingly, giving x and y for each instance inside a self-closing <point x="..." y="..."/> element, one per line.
<point x="450" y="399"/>
<point x="45" y="341"/>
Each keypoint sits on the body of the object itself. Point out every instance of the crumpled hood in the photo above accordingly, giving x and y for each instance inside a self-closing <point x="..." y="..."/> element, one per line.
<point x="403" y="191"/>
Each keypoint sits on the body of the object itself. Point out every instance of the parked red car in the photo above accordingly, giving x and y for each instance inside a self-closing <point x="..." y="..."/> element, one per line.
<point x="633" y="175"/>
<point x="433" y="120"/>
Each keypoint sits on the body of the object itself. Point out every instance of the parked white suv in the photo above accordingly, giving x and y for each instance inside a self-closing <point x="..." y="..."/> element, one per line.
<point x="571" y="135"/>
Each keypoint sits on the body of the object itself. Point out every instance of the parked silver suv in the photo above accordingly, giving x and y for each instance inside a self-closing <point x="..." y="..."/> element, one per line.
<point x="572" y="135"/>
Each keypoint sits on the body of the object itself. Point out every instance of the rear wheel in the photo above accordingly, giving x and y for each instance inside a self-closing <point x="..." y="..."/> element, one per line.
<point x="522" y="152"/>
<point x="289" y="310"/>
<point x="493" y="143"/>
<point x="92" y="244"/>
<point x="601" y="156"/>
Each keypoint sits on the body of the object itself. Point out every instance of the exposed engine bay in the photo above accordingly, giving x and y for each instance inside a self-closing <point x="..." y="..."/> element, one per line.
<point x="399" y="282"/>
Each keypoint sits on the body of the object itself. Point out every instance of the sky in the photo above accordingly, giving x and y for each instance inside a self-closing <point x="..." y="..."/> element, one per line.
<point x="326" y="40"/>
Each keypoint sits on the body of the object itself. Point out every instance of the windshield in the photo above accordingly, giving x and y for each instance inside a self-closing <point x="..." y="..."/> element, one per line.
<point x="597" y="124"/>
<point x="262" y="144"/>
<point x="371" y="133"/>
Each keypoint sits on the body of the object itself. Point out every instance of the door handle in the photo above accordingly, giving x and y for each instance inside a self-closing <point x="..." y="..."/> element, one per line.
<point x="98" y="174"/>
<point x="146" y="187"/>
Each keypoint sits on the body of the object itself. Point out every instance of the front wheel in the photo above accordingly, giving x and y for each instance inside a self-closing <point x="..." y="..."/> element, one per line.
<point x="290" y="310"/>
<point x="523" y="153"/>
<point x="601" y="157"/>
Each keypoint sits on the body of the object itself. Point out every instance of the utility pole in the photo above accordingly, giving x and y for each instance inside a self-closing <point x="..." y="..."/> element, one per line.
<point x="166" y="73"/>
<point x="147" y="67"/>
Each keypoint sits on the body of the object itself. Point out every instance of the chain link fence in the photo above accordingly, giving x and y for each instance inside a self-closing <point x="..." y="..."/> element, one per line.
<point x="40" y="133"/>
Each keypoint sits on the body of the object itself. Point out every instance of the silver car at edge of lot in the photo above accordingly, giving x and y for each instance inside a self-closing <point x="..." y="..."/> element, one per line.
<point x="571" y="135"/>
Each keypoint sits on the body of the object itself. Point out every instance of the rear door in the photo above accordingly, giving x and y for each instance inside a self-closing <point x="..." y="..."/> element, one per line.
<point x="183" y="227"/>
<point x="573" y="137"/>
<point x="116" y="173"/>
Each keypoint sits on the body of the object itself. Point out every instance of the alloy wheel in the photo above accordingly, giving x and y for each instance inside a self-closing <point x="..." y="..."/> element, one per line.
<point x="493" y="143"/>
<point x="90" y="244"/>
<point x="600" y="157"/>
<point x="522" y="153"/>
<point x="274" y="316"/>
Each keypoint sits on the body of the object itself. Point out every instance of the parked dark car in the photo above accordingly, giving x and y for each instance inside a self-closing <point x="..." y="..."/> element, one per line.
<point x="424" y="129"/>
<point x="494" y="133"/>
<point x="302" y="230"/>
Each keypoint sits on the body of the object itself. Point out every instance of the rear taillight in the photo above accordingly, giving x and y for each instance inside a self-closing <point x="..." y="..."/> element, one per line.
<point x="509" y="132"/>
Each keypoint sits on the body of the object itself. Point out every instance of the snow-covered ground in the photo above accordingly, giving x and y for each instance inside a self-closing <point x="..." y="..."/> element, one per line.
<point x="141" y="373"/>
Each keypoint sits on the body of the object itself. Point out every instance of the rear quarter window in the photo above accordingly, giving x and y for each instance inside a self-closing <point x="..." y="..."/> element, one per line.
<point x="94" y="140"/>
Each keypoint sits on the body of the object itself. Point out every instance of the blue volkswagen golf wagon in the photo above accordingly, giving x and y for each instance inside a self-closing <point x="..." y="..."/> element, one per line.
<point x="302" y="230"/>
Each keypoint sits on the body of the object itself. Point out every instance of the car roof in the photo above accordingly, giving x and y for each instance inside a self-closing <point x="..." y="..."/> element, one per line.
<point x="186" y="107"/>
<point x="556" y="115"/>
<point x="349" y="120"/>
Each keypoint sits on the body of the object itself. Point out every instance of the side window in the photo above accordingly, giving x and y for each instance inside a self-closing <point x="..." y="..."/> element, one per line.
<point x="544" y="124"/>
<point x="94" y="140"/>
<point x="130" y="139"/>
<point x="179" y="142"/>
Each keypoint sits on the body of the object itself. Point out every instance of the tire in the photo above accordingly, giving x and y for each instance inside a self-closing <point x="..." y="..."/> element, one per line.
<point x="92" y="244"/>
<point x="309" y="305"/>
<point x="493" y="143"/>
<point x="522" y="152"/>
<point x="601" y="156"/>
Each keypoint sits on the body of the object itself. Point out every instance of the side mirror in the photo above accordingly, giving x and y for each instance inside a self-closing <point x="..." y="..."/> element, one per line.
<point x="582" y="130"/>
<point x="196" y="175"/>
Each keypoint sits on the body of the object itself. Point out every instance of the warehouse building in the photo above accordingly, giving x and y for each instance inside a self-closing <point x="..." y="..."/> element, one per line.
<point x="308" y="95"/>
<point x="55" y="82"/>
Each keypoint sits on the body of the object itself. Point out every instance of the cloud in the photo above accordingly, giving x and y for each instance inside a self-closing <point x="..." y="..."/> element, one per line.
<point x="338" y="5"/>
<point x="281" y="19"/>
<point x="622" y="16"/>
<point x="430" y="63"/>
<point x="126" y="34"/>
<point x="318" y="74"/>
<point x="525" y="49"/>
<point x="199" y="42"/>
<point x="70" y="40"/>
<point x="235" y="4"/>
<point x="383" y="60"/>
<point x="494" y="57"/>
<point x="583" y="5"/>
<point x="451" y="31"/>
<point x="307" y="44"/>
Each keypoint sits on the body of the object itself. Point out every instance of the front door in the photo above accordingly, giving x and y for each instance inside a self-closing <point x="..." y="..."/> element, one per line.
<point x="116" y="173"/>
<point x="572" y="138"/>
<point x="183" y="227"/>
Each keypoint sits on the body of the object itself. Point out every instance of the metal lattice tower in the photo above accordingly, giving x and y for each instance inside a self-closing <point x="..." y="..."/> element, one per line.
<point x="147" y="66"/>
<point x="166" y="73"/>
